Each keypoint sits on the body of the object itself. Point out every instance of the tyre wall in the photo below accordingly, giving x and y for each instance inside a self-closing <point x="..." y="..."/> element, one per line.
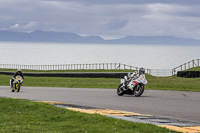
<point x="189" y="74"/>
<point x="76" y="75"/>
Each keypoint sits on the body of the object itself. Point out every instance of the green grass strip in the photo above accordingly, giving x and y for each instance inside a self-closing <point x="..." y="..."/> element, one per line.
<point x="23" y="116"/>
<point x="194" y="69"/>
<point x="173" y="83"/>
<point x="154" y="83"/>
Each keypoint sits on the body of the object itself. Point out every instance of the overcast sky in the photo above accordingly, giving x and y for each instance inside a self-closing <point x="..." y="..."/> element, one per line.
<point x="105" y="18"/>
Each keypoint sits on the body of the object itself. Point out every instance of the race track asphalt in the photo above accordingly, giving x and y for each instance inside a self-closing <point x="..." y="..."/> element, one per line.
<point x="175" y="104"/>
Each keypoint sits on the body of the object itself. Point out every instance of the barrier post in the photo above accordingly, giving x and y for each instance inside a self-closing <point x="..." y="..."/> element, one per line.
<point x="193" y="63"/>
<point x="188" y="65"/>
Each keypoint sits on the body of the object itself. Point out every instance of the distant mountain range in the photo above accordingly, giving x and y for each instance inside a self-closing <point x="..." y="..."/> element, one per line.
<point x="42" y="36"/>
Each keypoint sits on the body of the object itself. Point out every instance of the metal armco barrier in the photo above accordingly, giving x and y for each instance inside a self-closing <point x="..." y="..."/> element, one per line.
<point x="102" y="66"/>
<point x="189" y="74"/>
<point x="188" y="65"/>
<point x="76" y="75"/>
<point x="160" y="72"/>
<point x="96" y="66"/>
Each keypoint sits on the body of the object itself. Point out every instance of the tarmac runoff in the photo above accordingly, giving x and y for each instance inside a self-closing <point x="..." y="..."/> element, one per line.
<point x="170" y="123"/>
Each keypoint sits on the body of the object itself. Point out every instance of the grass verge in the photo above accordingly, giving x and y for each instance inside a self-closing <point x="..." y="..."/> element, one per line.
<point x="154" y="83"/>
<point x="173" y="83"/>
<point x="27" y="116"/>
<point x="194" y="69"/>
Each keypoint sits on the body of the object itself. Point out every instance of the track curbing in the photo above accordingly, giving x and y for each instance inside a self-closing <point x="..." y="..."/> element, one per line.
<point x="172" y="124"/>
<point x="131" y="116"/>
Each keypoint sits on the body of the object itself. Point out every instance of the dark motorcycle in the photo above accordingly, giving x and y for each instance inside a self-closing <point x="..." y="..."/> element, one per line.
<point x="16" y="83"/>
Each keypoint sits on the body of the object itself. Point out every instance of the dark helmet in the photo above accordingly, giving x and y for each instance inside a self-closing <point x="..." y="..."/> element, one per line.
<point x="141" y="70"/>
<point x="19" y="70"/>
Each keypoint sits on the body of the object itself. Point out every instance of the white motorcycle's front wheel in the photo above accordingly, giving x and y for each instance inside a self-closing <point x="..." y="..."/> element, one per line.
<point x="120" y="90"/>
<point x="138" y="90"/>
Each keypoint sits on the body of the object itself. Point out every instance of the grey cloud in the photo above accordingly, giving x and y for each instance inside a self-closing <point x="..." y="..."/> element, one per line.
<point x="174" y="9"/>
<point x="117" y="23"/>
<point x="184" y="2"/>
<point x="103" y="17"/>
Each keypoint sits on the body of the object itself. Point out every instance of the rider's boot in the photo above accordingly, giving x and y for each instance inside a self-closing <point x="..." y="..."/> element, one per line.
<point x="129" y="87"/>
<point x="11" y="84"/>
<point x="12" y="89"/>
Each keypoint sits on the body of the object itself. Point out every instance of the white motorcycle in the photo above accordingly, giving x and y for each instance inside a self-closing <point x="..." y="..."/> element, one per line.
<point x="137" y="88"/>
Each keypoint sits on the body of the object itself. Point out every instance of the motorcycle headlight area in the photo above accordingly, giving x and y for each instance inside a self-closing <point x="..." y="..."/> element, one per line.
<point x="122" y="80"/>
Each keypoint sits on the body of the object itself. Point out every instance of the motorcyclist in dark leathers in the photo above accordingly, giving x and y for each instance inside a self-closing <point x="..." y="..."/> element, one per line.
<point x="19" y="72"/>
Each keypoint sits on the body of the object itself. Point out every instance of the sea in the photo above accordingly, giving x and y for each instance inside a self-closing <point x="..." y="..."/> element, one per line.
<point x="137" y="55"/>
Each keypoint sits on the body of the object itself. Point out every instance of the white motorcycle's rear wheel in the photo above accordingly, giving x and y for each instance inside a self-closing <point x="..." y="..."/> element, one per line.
<point x="138" y="90"/>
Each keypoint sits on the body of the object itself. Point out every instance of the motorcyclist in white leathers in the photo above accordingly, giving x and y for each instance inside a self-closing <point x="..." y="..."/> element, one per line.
<point x="137" y="77"/>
